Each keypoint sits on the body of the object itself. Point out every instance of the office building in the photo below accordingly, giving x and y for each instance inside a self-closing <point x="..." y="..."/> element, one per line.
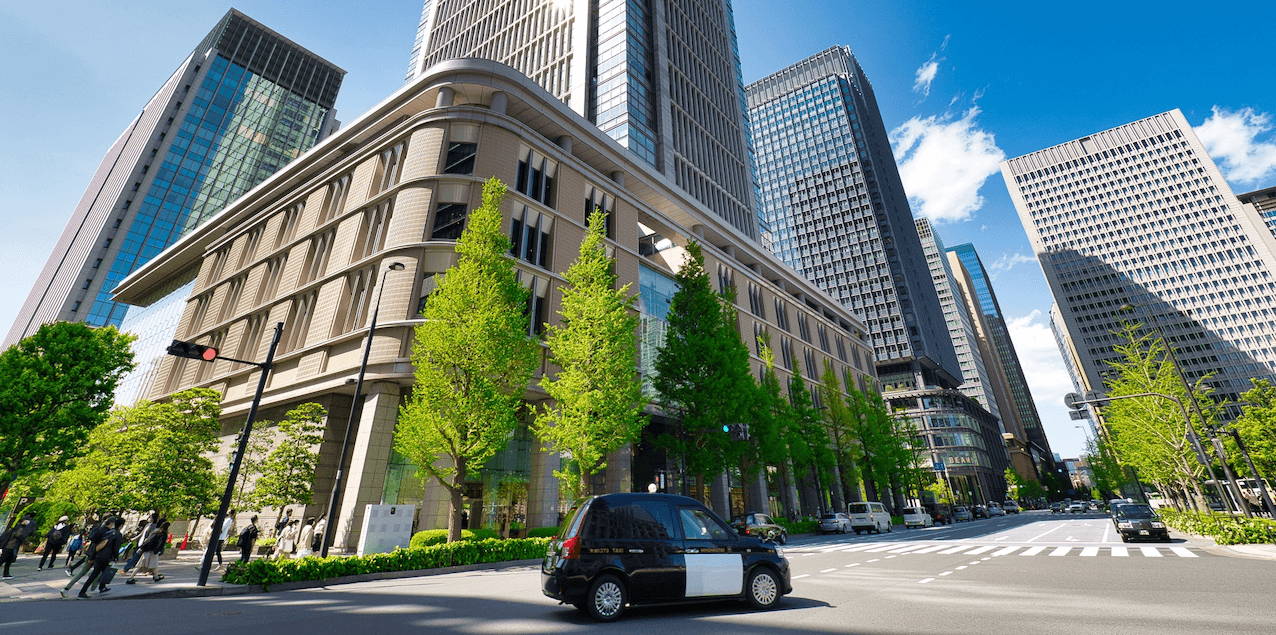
<point x="1139" y="215"/>
<point x="661" y="78"/>
<point x="308" y="245"/>
<point x="244" y="103"/>
<point x="1264" y="204"/>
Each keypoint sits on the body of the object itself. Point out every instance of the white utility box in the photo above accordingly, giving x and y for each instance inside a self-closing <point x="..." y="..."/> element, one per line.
<point x="385" y="528"/>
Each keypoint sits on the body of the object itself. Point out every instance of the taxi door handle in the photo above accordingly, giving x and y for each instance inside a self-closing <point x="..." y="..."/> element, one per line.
<point x="636" y="551"/>
<point x="693" y="551"/>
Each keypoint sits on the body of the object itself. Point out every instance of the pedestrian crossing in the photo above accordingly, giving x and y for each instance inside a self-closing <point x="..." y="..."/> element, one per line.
<point x="948" y="549"/>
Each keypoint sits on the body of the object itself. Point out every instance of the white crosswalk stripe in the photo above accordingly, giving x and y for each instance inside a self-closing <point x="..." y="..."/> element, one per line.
<point x="1183" y="552"/>
<point x="1150" y="552"/>
<point x="861" y="547"/>
<point x="944" y="548"/>
<point x="1032" y="551"/>
<point x="1090" y="551"/>
<point x="930" y="549"/>
<point x="983" y="549"/>
<point x="1005" y="551"/>
<point x="1120" y="552"/>
<point x="1061" y="551"/>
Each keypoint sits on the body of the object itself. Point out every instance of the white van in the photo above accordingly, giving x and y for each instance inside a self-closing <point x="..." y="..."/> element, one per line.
<point x="869" y="516"/>
<point x="917" y="517"/>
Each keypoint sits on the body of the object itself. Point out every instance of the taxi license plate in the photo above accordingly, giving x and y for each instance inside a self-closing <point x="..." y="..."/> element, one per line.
<point x="1143" y="532"/>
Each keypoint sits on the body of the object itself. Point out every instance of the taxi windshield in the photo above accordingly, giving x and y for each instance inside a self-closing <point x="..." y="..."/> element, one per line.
<point x="1135" y="511"/>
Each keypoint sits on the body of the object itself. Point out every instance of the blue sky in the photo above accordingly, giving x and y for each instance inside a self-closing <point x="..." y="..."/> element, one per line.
<point x="960" y="85"/>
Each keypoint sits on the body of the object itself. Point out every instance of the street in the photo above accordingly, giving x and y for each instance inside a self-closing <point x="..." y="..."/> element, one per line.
<point x="1034" y="573"/>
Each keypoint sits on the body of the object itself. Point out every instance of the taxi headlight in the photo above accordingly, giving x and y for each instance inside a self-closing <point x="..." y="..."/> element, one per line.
<point x="1125" y="525"/>
<point x="779" y="551"/>
<point x="1158" y="525"/>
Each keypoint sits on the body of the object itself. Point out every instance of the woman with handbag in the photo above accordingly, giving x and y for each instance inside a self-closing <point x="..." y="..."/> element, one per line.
<point x="151" y="549"/>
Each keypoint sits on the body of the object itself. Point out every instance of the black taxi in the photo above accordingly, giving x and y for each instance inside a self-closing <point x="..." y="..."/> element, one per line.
<point x="617" y="550"/>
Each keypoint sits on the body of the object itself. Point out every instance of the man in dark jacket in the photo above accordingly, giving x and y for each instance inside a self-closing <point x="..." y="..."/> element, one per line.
<point x="12" y="540"/>
<point x="105" y="548"/>
<point x="57" y="537"/>
<point x="246" y="539"/>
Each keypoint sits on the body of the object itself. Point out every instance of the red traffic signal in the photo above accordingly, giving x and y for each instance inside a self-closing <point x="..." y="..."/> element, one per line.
<point x="191" y="350"/>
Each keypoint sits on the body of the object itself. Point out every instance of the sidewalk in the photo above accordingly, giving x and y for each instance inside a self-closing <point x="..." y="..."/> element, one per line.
<point x="1264" y="551"/>
<point x="29" y="584"/>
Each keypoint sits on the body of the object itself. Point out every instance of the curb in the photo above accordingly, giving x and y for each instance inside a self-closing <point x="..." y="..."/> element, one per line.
<point x="253" y="589"/>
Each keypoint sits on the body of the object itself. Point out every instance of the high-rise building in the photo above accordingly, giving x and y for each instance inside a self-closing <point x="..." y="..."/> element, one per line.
<point x="1137" y="224"/>
<point x="661" y="78"/>
<point x="832" y="196"/>
<point x="244" y="103"/>
<point x="1018" y="408"/>
<point x="1264" y="203"/>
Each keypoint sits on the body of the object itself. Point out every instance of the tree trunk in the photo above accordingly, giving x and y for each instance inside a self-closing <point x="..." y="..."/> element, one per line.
<point x="744" y="489"/>
<point x="455" y="493"/>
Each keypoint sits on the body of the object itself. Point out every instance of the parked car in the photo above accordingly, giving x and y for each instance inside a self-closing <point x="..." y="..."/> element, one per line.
<point x="978" y="511"/>
<point x="942" y="514"/>
<point x="759" y="526"/>
<point x="995" y="510"/>
<point x="617" y="550"/>
<point x="917" y="517"/>
<point x="1136" y="521"/>
<point x="838" y="523"/>
<point x="869" y="516"/>
<point x="962" y="514"/>
<point x="1056" y="508"/>
<point x="1076" y="508"/>
<point x="1010" y="507"/>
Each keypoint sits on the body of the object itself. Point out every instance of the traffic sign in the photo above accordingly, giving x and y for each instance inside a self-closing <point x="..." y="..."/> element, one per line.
<point x="938" y="467"/>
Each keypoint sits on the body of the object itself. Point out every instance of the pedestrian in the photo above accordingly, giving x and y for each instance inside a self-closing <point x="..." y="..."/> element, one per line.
<point x="228" y="526"/>
<point x="54" y="540"/>
<point x="150" y="551"/>
<point x="101" y="546"/>
<point x="283" y="522"/>
<point x="286" y="540"/>
<point x="75" y="544"/>
<point x="145" y="528"/>
<point x="246" y="539"/>
<point x="316" y="545"/>
<point x="84" y="548"/>
<point x="305" y="538"/>
<point x="11" y="541"/>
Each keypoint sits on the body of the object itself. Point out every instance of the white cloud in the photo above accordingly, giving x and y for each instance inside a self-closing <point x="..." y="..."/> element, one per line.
<point x="925" y="75"/>
<point x="1231" y="139"/>
<point x="1048" y="380"/>
<point x="1008" y="262"/>
<point x="944" y="162"/>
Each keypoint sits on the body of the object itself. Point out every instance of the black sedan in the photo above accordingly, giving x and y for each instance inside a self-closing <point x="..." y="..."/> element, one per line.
<point x="621" y="549"/>
<point x="1139" y="522"/>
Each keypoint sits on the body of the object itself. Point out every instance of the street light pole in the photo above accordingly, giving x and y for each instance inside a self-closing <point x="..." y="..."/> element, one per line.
<point x="334" y="498"/>
<point x="1191" y="395"/>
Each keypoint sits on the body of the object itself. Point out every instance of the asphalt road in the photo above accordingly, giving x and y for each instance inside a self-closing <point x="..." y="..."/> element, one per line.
<point x="1028" y="574"/>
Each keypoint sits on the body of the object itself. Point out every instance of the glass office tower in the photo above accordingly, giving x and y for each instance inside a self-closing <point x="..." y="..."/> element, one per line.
<point x="244" y="103"/>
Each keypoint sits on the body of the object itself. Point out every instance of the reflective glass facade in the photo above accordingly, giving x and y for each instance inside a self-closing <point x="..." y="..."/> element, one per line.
<point x="154" y="325"/>
<point x="655" y="293"/>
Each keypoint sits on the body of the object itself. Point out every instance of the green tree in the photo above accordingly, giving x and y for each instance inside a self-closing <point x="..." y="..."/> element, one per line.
<point x="1014" y="483"/>
<point x="841" y="421"/>
<point x="1257" y="428"/>
<point x="250" y="468"/>
<point x="942" y="493"/>
<point x="768" y="417"/>
<point x="597" y="392"/>
<point x="56" y="386"/>
<point x="288" y="472"/>
<point x="807" y="438"/>
<point x="473" y="360"/>
<point x="1108" y="473"/>
<point x="702" y="370"/>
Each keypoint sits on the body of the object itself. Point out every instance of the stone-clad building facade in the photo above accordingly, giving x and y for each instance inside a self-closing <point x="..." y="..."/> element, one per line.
<point x="308" y="245"/>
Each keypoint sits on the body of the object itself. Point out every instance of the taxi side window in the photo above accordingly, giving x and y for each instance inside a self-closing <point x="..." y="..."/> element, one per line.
<point x="765" y="520"/>
<point x="697" y="525"/>
<point x="648" y="520"/>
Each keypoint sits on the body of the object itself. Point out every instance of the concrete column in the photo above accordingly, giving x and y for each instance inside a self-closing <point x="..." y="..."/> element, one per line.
<point x="369" y="459"/>
<point x="838" y="503"/>
<point x="542" y="488"/>
<point x="446" y="97"/>
<point x="758" y="498"/>
<point x="720" y="495"/>
<point x="619" y="475"/>
<point x="435" y="504"/>
<point x="500" y="101"/>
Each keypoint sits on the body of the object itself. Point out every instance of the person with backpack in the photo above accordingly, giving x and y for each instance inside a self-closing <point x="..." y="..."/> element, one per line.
<point x="246" y="539"/>
<point x="150" y="550"/>
<point x="103" y="541"/>
<point x="75" y="544"/>
<point x="228" y="526"/>
<point x="12" y="540"/>
<point x="145" y="528"/>
<point x="57" y="538"/>
<point x="85" y="543"/>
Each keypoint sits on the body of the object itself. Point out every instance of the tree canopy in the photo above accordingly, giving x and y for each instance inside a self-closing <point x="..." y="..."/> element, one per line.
<point x="288" y="472"/>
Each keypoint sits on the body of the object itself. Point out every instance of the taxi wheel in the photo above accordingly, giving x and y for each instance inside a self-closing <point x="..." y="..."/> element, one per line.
<point x="762" y="589"/>
<point x="606" y="599"/>
<point x="784" y="537"/>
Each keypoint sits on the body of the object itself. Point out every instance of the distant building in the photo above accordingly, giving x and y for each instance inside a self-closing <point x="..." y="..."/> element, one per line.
<point x="1139" y="216"/>
<point x="1264" y="203"/>
<point x="244" y="103"/>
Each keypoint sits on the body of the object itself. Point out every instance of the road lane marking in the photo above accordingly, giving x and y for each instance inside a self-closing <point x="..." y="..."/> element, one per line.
<point x="889" y="557"/>
<point x="906" y="548"/>
<point x="961" y="567"/>
<point x="1150" y="552"/>
<point x="1120" y="552"/>
<point x="1032" y="551"/>
<point x="1090" y="551"/>
<point x="799" y="577"/>
<point x="808" y="555"/>
<point x="1107" y="529"/>
<point x="862" y="547"/>
<point x="1183" y="552"/>
<point x="954" y="550"/>
<point x="1005" y="551"/>
<point x="874" y="559"/>
<point x="1061" y="551"/>
<point x="930" y="549"/>
<point x="946" y="573"/>
<point x="1001" y="538"/>
<point x="1034" y="538"/>
<point x="975" y="562"/>
<point x="853" y="564"/>
<point x="828" y="570"/>
<point x="893" y="545"/>
<point x="978" y="550"/>
<point x="926" y="580"/>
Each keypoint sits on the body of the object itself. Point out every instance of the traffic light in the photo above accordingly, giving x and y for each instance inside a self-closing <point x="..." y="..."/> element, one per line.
<point x="738" y="431"/>
<point x="191" y="350"/>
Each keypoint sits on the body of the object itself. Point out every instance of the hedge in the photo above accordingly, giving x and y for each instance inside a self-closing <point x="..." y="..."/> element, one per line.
<point x="270" y="572"/>
<point x="542" y="532"/>
<point x="1224" y="529"/>
<point x="439" y="536"/>
<point x="795" y="527"/>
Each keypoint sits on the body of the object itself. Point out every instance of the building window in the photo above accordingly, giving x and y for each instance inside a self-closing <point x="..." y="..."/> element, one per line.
<point x="428" y="285"/>
<point x="841" y="350"/>
<point x="87" y="283"/>
<point x="809" y="357"/>
<point x="536" y="176"/>
<point x="726" y="280"/>
<point x="75" y="307"/>
<point x="372" y="230"/>
<point x="298" y="324"/>
<point x="358" y="297"/>
<point x="786" y="352"/>
<point x="317" y="257"/>
<point x="537" y="306"/>
<point x="760" y="336"/>
<point x="462" y="147"/>
<point x="755" y="301"/>
<point x="335" y="200"/>
<point x="824" y="337"/>
<point x="219" y="263"/>
<point x="234" y="289"/>
<point x="530" y="233"/>
<point x="270" y="281"/>
<point x="197" y="318"/>
<point x="598" y="200"/>
<point x="781" y="314"/>
<point x="449" y="221"/>
<point x="250" y="245"/>
<point x="803" y="329"/>
<point x="288" y="226"/>
<point x="389" y="165"/>
<point x="252" y="336"/>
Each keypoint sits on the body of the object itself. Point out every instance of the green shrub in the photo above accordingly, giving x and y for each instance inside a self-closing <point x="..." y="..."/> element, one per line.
<point x="897" y="520"/>
<point x="1224" y="529"/>
<point x="542" y="532"/>
<point x="270" y="572"/>
<point x="431" y="537"/>
<point x="794" y="527"/>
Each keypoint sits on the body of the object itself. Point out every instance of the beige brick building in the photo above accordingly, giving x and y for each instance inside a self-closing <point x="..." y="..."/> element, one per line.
<point x="308" y="246"/>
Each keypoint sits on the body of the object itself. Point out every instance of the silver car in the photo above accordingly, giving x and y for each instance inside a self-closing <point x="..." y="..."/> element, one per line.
<point x="835" y="523"/>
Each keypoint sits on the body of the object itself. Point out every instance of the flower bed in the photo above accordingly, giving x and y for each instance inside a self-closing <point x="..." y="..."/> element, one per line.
<point x="1225" y="530"/>
<point x="270" y="572"/>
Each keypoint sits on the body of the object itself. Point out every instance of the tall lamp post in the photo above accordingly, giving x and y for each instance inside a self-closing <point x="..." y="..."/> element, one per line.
<point x="334" y="499"/>
<point x="1196" y="406"/>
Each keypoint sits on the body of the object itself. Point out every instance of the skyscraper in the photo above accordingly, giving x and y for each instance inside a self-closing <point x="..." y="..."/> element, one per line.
<point x="661" y="78"/>
<point x="1019" y="410"/>
<point x="832" y="196"/>
<point x="245" y="102"/>
<point x="1139" y="215"/>
<point x="1264" y="203"/>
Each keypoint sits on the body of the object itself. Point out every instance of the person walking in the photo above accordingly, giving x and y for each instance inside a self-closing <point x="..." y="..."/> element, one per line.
<point x="54" y="541"/>
<point x="228" y="526"/>
<point x="85" y="545"/>
<point x="316" y="545"/>
<point x="145" y="528"/>
<point x="11" y="541"/>
<point x="246" y="539"/>
<point x="283" y="522"/>
<point x="103" y="542"/>
<point x="150" y="551"/>
<point x="305" y="538"/>
<point x="75" y="544"/>
<point x="286" y="541"/>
